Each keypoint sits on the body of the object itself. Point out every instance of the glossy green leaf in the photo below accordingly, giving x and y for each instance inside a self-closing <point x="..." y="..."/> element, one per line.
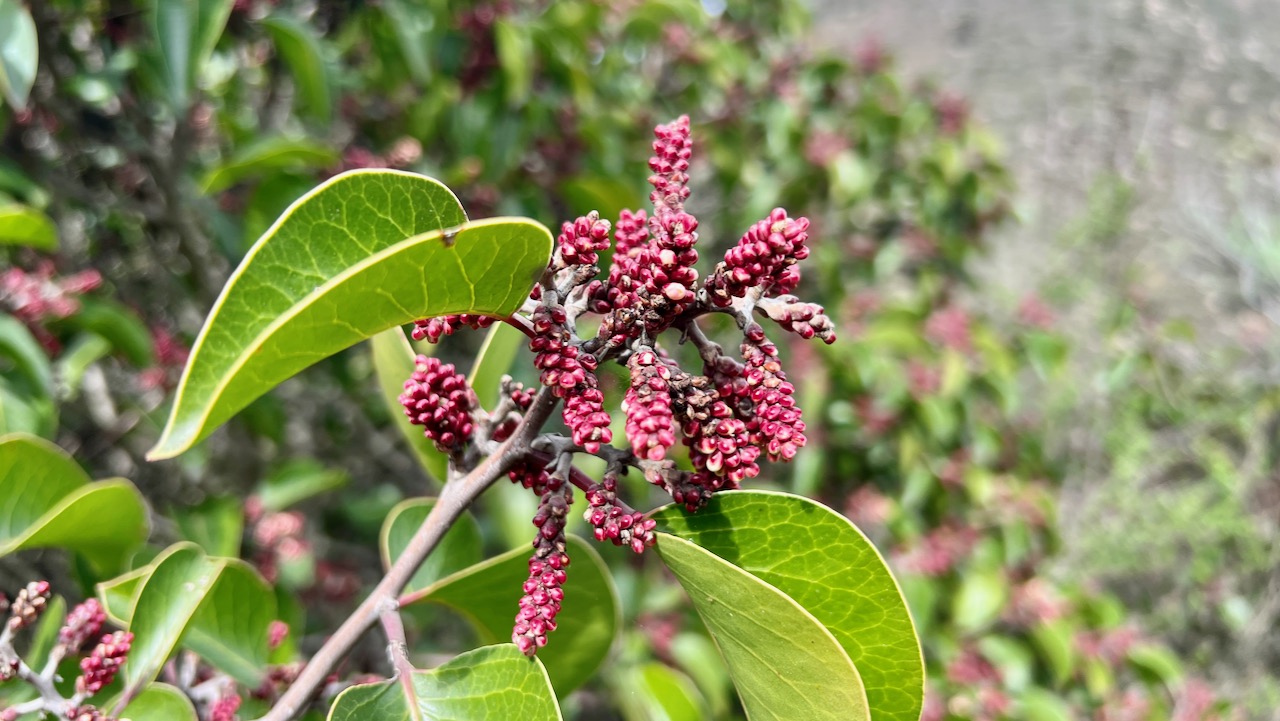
<point x="697" y="656"/>
<point x="823" y="563"/>
<point x="168" y="599"/>
<point x="784" y="662"/>
<point x="393" y="363"/>
<point x="1040" y="705"/>
<point x="1158" y="663"/>
<point x="119" y="325"/>
<point x="459" y="549"/>
<point x="265" y="155"/>
<point x="270" y="198"/>
<point x="501" y="346"/>
<point x="362" y="253"/>
<point x="981" y="597"/>
<point x="50" y="502"/>
<point x="24" y="225"/>
<point x="516" y="57"/>
<point x="19" y="53"/>
<point x="654" y="692"/>
<point x="488" y="594"/>
<point x="298" y="480"/>
<point x="413" y="28"/>
<point x="22" y="413"/>
<point x="160" y="702"/>
<point x="1055" y="640"/>
<point x="232" y="628"/>
<point x="17" y="344"/>
<point x="186" y="32"/>
<point x="216" y="525"/>
<point x="223" y="613"/>
<point x="493" y="682"/>
<point x="300" y="47"/>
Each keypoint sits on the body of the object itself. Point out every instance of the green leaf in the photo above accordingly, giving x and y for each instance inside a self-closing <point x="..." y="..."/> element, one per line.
<point x="298" y="480"/>
<point x="300" y="47"/>
<point x="501" y="346"/>
<point x="223" y="613"/>
<point x="215" y="525"/>
<point x="1056" y="642"/>
<point x="19" y="53"/>
<point x="785" y="664"/>
<point x="160" y="702"/>
<point x="654" y="692"/>
<point x="22" y="413"/>
<point x="493" y="682"/>
<point x="186" y="32"/>
<point x="1041" y="705"/>
<point x="488" y="594"/>
<point x="821" y="562"/>
<point x="118" y="324"/>
<point x="24" y="225"/>
<point x="362" y="253"/>
<point x="516" y="57"/>
<point x="50" y="502"/>
<point x="393" y="363"/>
<point x="168" y="599"/>
<point x="413" y="28"/>
<point x="17" y="343"/>
<point x="270" y="198"/>
<point x="981" y="597"/>
<point x="1158" y="663"/>
<point x="266" y="154"/>
<point x="232" y="628"/>
<point x="459" y="549"/>
<point x="697" y="656"/>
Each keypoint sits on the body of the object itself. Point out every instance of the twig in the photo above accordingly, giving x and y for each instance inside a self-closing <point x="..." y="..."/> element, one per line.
<point x="456" y="496"/>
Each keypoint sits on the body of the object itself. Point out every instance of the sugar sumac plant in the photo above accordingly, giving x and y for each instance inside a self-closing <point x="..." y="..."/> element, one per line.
<point x="806" y="615"/>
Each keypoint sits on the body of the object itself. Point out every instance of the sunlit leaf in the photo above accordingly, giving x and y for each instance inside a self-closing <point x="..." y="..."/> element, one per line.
<point x="459" y="549"/>
<point x="50" y="502"/>
<point x="300" y="47"/>
<point x="160" y="702"/>
<point x="24" y="225"/>
<point x="221" y="609"/>
<point x="493" y="682"/>
<point x="785" y="664"/>
<point x="487" y="595"/>
<point x="19" y="53"/>
<point x="265" y="155"/>
<point x="366" y="249"/>
<point x="823" y="563"/>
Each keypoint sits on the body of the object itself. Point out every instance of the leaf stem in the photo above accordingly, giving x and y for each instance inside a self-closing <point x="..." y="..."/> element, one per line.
<point x="454" y="498"/>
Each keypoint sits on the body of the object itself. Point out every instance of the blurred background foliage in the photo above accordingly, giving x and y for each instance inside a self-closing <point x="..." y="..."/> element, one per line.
<point x="159" y="140"/>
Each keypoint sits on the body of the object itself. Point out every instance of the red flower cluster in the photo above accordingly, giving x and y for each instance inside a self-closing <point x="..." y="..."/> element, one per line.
<point x="83" y="623"/>
<point x="438" y="398"/>
<point x="433" y="329"/>
<point x="763" y="257"/>
<point x="728" y="416"/>
<point x="579" y="241"/>
<point x="99" y="668"/>
<point x="570" y="374"/>
<point x="650" y="426"/>
<point x="616" y="523"/>
<point x="28" y="605"/>
<point x="543" y="590"/>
